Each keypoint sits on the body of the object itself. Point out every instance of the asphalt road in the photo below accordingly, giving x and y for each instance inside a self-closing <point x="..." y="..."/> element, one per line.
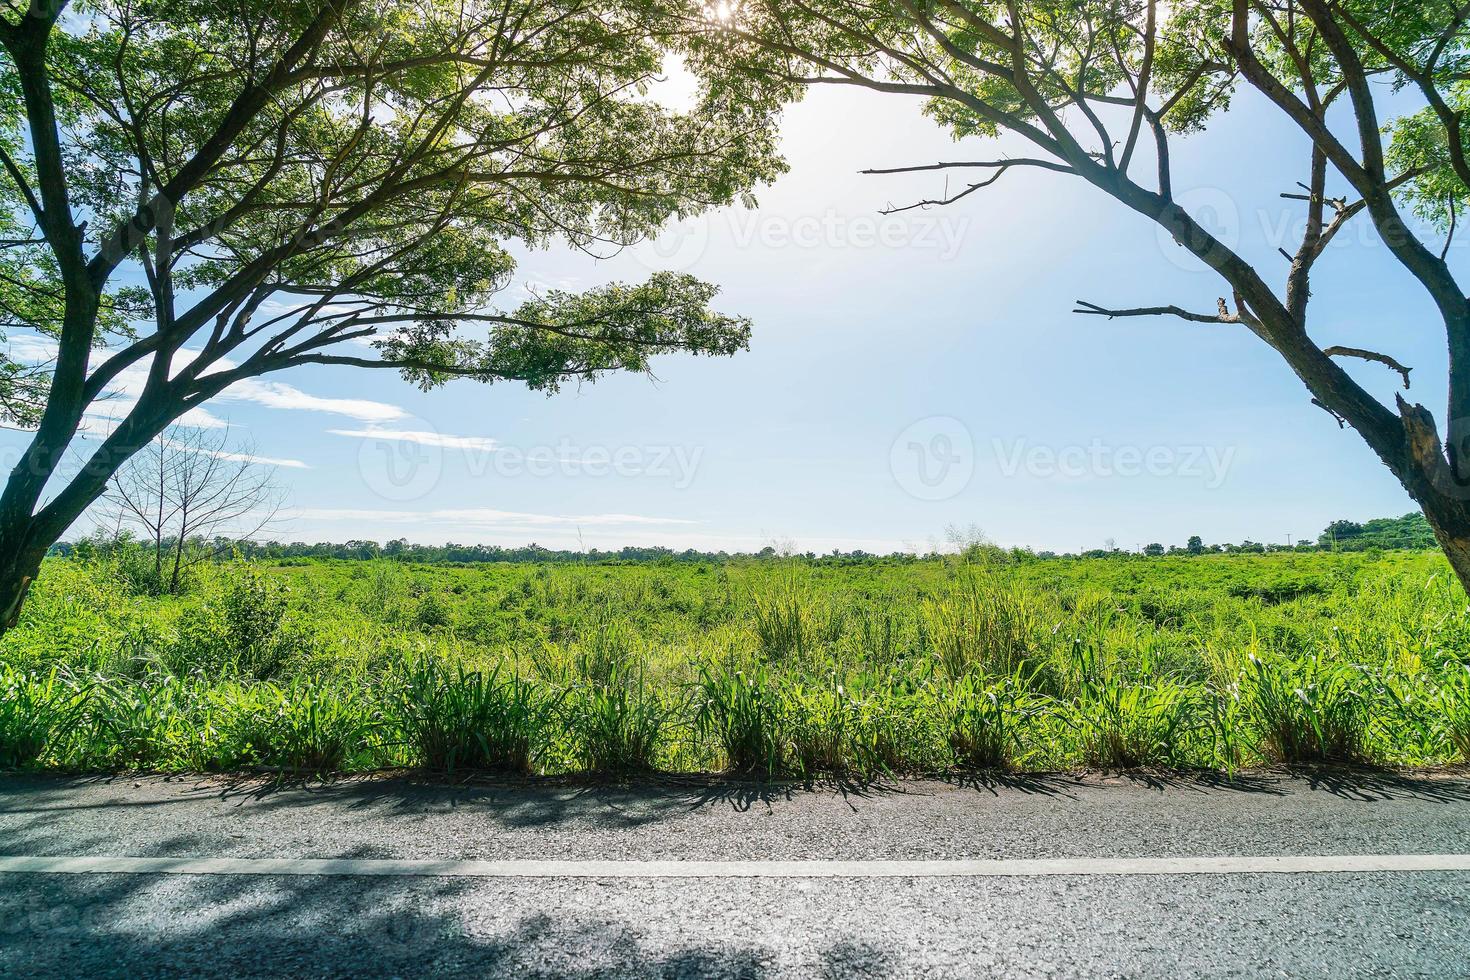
<point x="1075" y="924"/>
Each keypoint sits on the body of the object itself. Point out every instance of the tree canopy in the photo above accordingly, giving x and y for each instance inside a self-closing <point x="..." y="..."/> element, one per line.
<point x="201" y="191"/>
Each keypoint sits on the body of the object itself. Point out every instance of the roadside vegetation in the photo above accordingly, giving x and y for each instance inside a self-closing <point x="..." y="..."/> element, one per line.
<point x="785" y="667"/>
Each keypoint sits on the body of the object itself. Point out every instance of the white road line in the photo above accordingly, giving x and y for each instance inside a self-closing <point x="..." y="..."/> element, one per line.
<point x="389" y="867"/>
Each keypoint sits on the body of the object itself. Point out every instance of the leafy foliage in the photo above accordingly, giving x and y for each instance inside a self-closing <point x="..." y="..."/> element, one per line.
<point x="298" y="183"/>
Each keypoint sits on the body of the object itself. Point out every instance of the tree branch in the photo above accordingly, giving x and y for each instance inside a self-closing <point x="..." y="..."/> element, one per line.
<point x="1223" y="316"/>
<point x="1060" y="168"/>
<point x="1368" y="355"/>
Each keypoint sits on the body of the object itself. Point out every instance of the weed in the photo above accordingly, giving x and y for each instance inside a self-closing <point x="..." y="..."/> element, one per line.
<point x="304" y="727"/>
<point x="985" y="720"/>
<point x="1309" y="712"/>
<point x="460" y="719"/>
<point x="1454" y="702"/>
<point x="981" y="625"/>
<point x="793" y="667"/>
<point x="616" y="727"/>
<point x="740" y="712"/>
<point x="36" y="711"/>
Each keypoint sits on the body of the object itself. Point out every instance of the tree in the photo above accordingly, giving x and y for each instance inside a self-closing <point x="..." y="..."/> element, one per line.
<point x="193" y="193"/>
<point x="1339" y="532"/>
<point x="185" y="490"/>
<point x="1195" y="545"/>
<point x="1408" y="531"/>
<point x="1098" y="88"/>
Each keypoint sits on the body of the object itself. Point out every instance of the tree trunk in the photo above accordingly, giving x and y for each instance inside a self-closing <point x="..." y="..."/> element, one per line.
<point x="1451" y="523"/>
<point x="173" y="581"/>
<point x="18" y="570"/>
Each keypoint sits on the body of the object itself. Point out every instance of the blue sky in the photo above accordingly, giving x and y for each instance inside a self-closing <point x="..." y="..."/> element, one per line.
<point x="905" y="374"/>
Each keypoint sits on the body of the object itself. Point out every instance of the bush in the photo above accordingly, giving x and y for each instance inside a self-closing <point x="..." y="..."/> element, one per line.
<point x="431" y="612"/>
<point x="244" y="630"/>
<point x="254" y="606"/>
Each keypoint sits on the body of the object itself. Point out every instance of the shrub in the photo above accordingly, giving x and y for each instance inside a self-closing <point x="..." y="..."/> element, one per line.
<point x="253" y="607"/>
<point x="431" y="612"/>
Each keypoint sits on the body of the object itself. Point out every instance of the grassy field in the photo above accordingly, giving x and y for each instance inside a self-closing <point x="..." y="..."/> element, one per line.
<point x="787" y="668"/>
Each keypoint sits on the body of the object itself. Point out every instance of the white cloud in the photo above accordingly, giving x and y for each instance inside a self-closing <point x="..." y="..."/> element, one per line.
<point x="32" y="348"/>
<point x="294" y="464"/>
<point x="482" y="517"/>
<point x="275" y="394"/>
<point x="200" y="418"/>
<point x="240" y="457"/>
<point x="122" y="394"/>
<point x="422" y="438"/>
<point x="103" y="415"/>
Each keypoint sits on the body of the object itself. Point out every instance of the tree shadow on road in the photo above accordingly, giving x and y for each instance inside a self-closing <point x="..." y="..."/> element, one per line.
<point x="551" y="801"/>
<point x="213" y="925"/>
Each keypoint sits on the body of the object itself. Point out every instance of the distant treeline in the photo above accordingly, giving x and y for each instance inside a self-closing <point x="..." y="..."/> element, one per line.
<point x="1408" y="532"/>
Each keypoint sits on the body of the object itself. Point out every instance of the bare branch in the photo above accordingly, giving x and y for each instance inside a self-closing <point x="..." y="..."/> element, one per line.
<point x="1449" y="238"/>
<point x="1222" y="316"/>
<point x="940" y="202"/>
<point x="1060" y="168"/>
<point x="1341" y="422"/>
<point x="1368" y="355"/>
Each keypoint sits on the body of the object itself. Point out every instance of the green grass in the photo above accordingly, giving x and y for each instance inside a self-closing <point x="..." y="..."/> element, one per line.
<point x="37" y="711"/>
<point x="452" y="718"/>
<point x="784" y="668"/>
